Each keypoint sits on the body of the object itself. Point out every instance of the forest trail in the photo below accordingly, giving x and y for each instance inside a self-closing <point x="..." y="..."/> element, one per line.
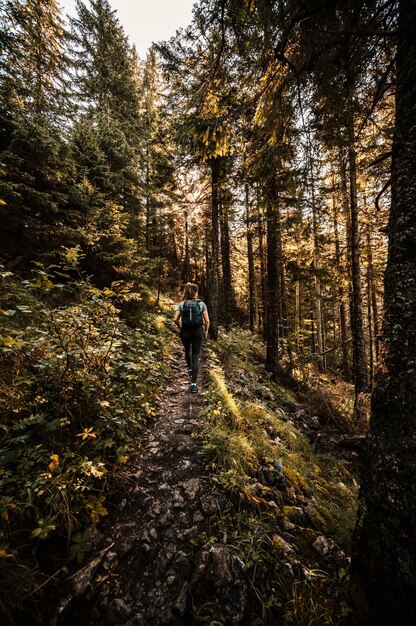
<point x="143" y="562"/>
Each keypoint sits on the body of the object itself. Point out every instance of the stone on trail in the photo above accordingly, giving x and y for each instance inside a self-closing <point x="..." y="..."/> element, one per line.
<point x="118" y="611"/>
<point x="283" y="545"/>
<point x="219" y="579"/>
<point x="180" y="603"/>
<point x="326" y="546"/>
<point x="191" y="487"/>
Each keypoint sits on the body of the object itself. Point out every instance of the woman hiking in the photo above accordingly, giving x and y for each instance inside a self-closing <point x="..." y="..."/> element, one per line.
<point x="192" y="318"/>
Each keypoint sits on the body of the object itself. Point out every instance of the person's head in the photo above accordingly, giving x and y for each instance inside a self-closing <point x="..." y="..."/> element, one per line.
<point x="190" y="292"/>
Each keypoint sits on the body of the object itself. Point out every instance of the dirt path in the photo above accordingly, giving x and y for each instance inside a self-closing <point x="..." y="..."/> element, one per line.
<point x="144" y="560"/>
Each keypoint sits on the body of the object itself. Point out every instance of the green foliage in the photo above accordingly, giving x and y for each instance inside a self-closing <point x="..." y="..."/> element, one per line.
<point x="245" y="437"/>
<point x="76" y="385"/>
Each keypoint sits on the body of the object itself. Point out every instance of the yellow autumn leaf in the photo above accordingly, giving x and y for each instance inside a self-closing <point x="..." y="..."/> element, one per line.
<point x="54" y="462"/>
<point x="97" y="473"/>
<point x="4" y="554"/>
<point x="88" y="433"/>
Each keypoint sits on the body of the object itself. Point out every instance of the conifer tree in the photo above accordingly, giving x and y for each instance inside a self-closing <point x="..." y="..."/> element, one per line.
<point x="33" y="156"/>
<point x="203" y="128"/>
<point x="385" y="551"/>
<point x="106" y="95"/>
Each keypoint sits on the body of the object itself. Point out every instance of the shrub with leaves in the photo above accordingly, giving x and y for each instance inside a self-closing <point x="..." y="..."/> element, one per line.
<point x="75" y="384"/>
<point x="288" y="498"/>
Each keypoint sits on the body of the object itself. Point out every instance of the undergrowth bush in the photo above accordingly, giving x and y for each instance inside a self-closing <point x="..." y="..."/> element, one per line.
<point x="281" y="488"/>
<point x="76" y="383"/>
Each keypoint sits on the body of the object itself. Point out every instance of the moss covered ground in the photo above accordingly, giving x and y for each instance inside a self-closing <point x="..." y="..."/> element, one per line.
<point x="294" y="505"/>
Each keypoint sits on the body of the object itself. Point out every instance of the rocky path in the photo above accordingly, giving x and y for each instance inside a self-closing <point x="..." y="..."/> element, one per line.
<point x="149" y="556"/>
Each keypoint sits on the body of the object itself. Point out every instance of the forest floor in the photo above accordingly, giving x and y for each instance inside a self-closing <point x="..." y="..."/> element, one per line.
<point x="236" y="510"/>
<point x="144" y="554"/>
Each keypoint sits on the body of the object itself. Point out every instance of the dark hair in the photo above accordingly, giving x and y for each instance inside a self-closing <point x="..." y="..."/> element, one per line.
<point x="190" y="291"/>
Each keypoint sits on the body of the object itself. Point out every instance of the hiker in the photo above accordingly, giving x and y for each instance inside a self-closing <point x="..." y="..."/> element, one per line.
<point x="191" y="317"/>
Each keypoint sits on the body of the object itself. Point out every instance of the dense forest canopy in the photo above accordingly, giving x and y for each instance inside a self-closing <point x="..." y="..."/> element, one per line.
<point x="266" y="152"/>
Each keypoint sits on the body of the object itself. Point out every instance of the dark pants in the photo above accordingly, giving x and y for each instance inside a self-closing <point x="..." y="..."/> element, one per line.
<point x="192" y="339"/>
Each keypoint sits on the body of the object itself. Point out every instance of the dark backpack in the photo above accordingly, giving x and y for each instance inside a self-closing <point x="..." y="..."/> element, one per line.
<point x="191" y="314"/>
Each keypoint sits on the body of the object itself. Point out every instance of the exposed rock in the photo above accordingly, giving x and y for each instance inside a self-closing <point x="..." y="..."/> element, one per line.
<point x="180" y="603"/>
<point x="326" y="546"/>
<point x="155" y="509"/>
<point x="273" y="504"/>
<point x="289" y="526"/>
<point x="165" y="520"/>
<point x="264" y="392"/>
<point x="177" y="500"/>
<point x="197" y="517"/>
<point x="182" y="565"/>
<point x="268" y="475"/>
<point x="126" y="547"/>
<point x="280" y="413"/>
<point x="77" y="584"/>
<point x="209" y="504"/>
<point x="283" y="545"/>
<point x="323" y="545"/>
<point x="315" y="422"/>
<point x="219" y="579"/>
<point x="190" y="532"/>
<point x="191" y="487"/>
<point x="118" y="611"/>
<point x="298" y="516"/>
<point x="278" y="466"/>
<point x="299" y="571"/>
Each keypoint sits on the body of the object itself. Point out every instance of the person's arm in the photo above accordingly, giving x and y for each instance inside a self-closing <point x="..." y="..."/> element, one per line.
<point x="206" y="321"/>
<point x="177" y="318"/>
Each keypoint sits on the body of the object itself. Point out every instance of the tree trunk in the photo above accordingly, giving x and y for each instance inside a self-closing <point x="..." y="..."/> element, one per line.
<point x="385" y="539"/>
<point x="272" y="316"/>
<point x="250" y="257"/>
<point x="282" y="298"/>
<point x="358" y="342"/>
<point x="297" y="338"/>
<point x="263" y="275"/>
<point x="320" y="339"/>
<point x="372" y="312"/>
<point x="148" y="208"/>
<point x="227" y="289"/>
<point x="213" y="288"/>
<point x="185" y="265"/>
<point x="341" y="292"/>
<point x="373" y="294"/>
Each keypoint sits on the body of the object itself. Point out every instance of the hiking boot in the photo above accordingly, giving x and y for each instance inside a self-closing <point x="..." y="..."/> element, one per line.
<point x="193" y="388"/>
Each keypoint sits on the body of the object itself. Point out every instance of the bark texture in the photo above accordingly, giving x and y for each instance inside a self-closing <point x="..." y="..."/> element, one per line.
<point x="250" y="258"/>
<point x="358" y="342"/>
<point x="341" y="293"/>
<point x="272" y="313"/>
<point x="385" y="539"/>
<point x="213" y="290"/>
<point x="227" y="289"/>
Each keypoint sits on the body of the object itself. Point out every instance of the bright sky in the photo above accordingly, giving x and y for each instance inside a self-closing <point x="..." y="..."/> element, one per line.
<point x="145" y="21"/>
